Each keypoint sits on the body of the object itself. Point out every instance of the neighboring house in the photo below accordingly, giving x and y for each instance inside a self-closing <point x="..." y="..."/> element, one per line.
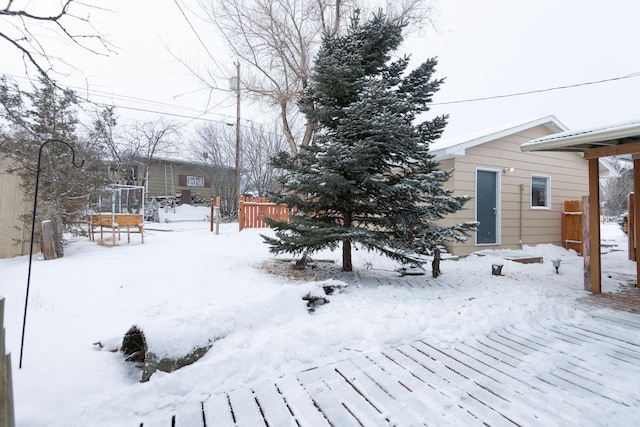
<point x="169" y="177"/>
<point x="14" y="235"/>
<point x="517" y="197"/>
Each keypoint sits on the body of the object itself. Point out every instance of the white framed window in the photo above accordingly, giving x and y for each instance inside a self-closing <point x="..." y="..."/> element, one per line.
<point x="195" y="181"/>
<point x="540" y="192"/>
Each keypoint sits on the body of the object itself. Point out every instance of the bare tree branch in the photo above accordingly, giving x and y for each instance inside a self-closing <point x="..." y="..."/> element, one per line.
<point x="146" y="140"/>
<point x="278" y="39"/>
<point x="31" y="33"/>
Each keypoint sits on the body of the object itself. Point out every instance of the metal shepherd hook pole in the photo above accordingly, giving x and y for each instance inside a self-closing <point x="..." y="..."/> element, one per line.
<point x="33" y="224"/>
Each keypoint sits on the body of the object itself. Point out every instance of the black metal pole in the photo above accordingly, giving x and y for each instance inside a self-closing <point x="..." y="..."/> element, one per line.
<point x="33" y="224"/>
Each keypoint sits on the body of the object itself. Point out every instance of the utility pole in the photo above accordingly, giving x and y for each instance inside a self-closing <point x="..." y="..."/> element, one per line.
<point x="238" y="132"/>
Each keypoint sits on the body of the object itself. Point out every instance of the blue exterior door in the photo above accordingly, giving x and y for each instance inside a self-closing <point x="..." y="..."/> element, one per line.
<point x="487" y="206"/>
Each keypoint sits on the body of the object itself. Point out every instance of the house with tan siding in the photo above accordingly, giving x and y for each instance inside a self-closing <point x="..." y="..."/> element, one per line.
<point x="14" y="235"/>
<point x="517" y="197"/>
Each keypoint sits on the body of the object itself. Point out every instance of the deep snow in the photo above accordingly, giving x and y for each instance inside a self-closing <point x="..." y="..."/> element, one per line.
<point x="187" y="287"/>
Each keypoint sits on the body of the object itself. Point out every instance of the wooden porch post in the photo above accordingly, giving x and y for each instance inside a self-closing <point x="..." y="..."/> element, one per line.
<point x="631" y="235"/>
<point x="594" y="271"/>
<point x="636" y="214"/>
<point x="586" y="243"/>
<point x="241" y="215"/>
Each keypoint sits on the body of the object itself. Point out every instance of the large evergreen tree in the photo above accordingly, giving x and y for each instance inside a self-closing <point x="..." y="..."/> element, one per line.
<point x="369" y="178"/>
<point x="30" y="119"/>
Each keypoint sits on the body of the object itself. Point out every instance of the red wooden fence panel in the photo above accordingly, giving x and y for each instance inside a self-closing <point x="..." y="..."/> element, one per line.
<point x="253" y="210"/>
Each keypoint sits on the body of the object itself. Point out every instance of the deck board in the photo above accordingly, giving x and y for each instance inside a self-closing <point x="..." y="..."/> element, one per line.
<point x="434" y="404"/>
<point x="301" y="403"/>
<point x="369" y="382"/>
<point x="512" y="396"/>
<point x="246" y="410"/>
<point x="341" y="406"/>
<point x="555" y="373"/>
<point x="189" y="414"/>
<point x="467" y="393"/>
<point x="331" y="408"/>
<point x="273" y="405"/>
<point x="217" y="411"/>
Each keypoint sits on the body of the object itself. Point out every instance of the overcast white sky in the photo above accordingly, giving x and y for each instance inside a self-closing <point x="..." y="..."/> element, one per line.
<point x="485" y="48"/>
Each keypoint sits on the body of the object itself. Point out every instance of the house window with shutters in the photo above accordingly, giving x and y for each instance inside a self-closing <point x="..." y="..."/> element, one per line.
<point x="193" y="181"/>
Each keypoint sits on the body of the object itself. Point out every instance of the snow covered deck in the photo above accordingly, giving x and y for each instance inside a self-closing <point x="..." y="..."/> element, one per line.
<point x="628" y="300"/>
<point x="552" y="374"/>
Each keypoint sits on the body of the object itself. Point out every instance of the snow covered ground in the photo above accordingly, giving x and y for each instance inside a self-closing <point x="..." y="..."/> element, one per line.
<point x="186" y="287"/>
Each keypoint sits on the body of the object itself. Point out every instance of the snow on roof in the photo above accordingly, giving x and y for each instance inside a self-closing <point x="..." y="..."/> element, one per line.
<point x="610" y="166"/>
<point x="583" y="138"/>
<point x="456" y="146"/>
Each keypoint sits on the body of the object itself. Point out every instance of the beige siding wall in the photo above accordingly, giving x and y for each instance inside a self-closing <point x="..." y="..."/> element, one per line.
<point x="520" y="223"/>
<point x="157" y="186"/>
<point x="14" y="238"/>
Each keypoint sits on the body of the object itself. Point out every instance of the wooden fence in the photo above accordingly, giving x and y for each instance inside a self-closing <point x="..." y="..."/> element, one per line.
<point x="253" y="211"/>
<point x="572" y="225"/>
<point x="7" y="418"/>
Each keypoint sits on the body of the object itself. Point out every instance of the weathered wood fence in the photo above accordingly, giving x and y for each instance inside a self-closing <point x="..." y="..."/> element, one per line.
<point x="7" y="418"/>
<point x="253" y="211"/>
<point x="572" y="216"/>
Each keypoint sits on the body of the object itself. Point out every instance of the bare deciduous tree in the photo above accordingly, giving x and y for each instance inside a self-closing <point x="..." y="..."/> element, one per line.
<point x="278" y="39"/>
<point x="36" y="34"/>
<point x="130" y="149"/>
<point x="615" y="190"/>
<point x="144" y="141"/>
<point x="259" y="146"/>
<point x="214" y="151"/>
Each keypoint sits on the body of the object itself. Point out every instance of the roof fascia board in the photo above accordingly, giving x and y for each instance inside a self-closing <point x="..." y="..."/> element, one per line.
<point x="584" y="138"/>
<point x="458" y="150"/>
<point x="612" y="150"/>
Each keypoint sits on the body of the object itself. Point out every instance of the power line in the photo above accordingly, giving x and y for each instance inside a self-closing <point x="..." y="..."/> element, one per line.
<point x="186" y="18"/>
<point x="183" y="116"/>
<point x="199" y="116"/>
<point x="194" y="30"/>
<point x="126" y="98"/>
<point x="208" y="111"/>
<point x="486" y="98"/>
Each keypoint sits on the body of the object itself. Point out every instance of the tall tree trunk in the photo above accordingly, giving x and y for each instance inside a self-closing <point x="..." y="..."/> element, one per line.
<point x="347" y="265"/>
<point x="286" y="129"/>
<point x="346" y="255"/>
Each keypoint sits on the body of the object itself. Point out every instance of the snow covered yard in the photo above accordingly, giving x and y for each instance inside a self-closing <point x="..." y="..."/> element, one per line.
<point x="187" y="288"/>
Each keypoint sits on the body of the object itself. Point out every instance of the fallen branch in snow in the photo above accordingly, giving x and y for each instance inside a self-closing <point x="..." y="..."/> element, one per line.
<point x="134" y="347"/>
<point x="153" y="364"/>
<point x="314" y="301"/>
<point x="330" y="289"/>
<point x="411" y="271"/>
